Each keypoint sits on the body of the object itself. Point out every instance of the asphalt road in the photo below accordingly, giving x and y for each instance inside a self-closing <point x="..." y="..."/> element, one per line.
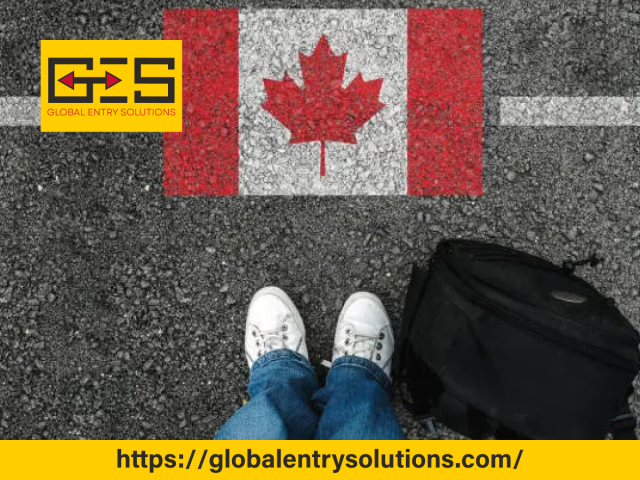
<point x="122" y="311"/>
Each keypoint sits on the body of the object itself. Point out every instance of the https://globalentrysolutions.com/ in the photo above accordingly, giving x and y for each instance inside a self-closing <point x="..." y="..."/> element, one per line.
<point x="111" y="112"/>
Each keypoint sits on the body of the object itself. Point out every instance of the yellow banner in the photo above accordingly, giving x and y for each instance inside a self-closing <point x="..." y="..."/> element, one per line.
<point x="111" y="86"/>
<point x="319" y="459"/>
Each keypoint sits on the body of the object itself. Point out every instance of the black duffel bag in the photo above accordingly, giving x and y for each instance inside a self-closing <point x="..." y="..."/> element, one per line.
<point x="496" y="342"/>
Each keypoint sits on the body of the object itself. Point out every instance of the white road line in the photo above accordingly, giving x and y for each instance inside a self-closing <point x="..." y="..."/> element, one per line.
<point x="570" y="111"/>
<point x="19" y="111"/>
<point x="514" y="111"/>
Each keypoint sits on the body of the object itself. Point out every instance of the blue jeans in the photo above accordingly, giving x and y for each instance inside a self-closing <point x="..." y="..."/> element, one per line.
<point x="287" y="402"/>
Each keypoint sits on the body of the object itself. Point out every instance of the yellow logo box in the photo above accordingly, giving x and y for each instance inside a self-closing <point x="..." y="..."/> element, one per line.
<point x="111" y="86"/>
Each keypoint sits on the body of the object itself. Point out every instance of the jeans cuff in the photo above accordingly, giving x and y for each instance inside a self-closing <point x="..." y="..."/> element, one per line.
<point x="373" y="370"/>
<point x="281" y="355"/>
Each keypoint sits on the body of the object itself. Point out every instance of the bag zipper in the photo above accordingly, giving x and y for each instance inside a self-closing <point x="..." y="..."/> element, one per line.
<point x="500" y="252"/>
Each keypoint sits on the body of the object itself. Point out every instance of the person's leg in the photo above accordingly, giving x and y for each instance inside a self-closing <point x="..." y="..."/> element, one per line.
<point x="355" y="402"/>
<point x="281" y="385"/>
<point x="282" y="380"/>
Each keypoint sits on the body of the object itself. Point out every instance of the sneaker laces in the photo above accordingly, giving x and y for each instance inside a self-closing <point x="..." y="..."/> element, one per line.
<point x="272" y="338"/>
<point x="367" y="344"/>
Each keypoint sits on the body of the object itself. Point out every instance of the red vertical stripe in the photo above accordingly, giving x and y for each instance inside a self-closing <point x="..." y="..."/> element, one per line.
<point x="203" y="159"/>
<point x="444" y="102"/>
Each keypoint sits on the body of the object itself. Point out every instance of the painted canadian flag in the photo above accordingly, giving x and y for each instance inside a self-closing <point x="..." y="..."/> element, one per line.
<point x="327" y="102"/>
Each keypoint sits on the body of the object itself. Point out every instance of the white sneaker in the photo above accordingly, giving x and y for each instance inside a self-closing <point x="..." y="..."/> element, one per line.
<point x="273" y="322"/>
<point x="364" y="330"/>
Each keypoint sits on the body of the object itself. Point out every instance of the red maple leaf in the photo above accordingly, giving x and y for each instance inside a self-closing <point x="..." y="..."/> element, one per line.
<point x="322" y="110"/>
